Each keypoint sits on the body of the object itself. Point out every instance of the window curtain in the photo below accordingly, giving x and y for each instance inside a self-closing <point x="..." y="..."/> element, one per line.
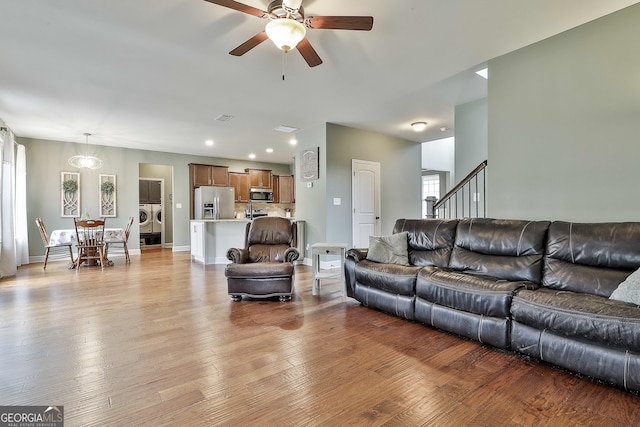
<point x="14" y="247"/>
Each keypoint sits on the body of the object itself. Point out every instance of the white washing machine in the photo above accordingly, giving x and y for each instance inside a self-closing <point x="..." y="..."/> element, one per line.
<point x="156" y="212"/>
<point x="146" y="219"/>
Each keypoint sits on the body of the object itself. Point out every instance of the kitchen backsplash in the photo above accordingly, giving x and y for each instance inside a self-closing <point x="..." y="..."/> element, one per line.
<point x="273" y="209"/>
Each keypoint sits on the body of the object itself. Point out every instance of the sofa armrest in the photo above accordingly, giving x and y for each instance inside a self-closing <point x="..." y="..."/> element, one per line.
<point x="291" y="254"/>
<point x="357" y="254"/>
<point x="352" y="257"/>
<point x="238" y="256"/>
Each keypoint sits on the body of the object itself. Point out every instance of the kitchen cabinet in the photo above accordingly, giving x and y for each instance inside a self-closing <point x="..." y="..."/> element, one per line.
<point x="209" y="175"/>
<point x="240" y="181"/>
<point x="149" y="191"/>
<point x="275" y="179"/>
<point x="197" y="241"/>
<point x="211" y="239"/>
<point x="259" y="178"/>
<point x="201" y="174"/>
<point x="286" y="190"/>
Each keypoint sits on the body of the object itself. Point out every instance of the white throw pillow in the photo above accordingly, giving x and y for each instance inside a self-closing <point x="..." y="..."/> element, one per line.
<point x="629" y="290"/>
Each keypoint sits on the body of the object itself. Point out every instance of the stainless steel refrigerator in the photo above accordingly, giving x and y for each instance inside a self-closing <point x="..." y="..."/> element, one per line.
<point x="214" y="203"/>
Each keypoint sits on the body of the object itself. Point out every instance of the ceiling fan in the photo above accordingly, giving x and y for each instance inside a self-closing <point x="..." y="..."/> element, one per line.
<point x="288" y="24"/>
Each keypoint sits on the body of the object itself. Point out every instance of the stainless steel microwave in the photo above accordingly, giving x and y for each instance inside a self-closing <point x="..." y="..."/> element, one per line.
<point x="261" y="196"/>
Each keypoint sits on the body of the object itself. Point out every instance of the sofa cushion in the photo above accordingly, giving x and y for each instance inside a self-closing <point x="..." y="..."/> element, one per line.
<point x="392" y="278"/>
<point x="591" y="257"/>
<point x="430" y="240"/>
<point x="259" y="253"/>
<point x="579" y="315"/>
<point x="389" y="249"/>
<point x="629" y="290"/>
<point x="488" y="296"/>
<point x="505" y="249"/>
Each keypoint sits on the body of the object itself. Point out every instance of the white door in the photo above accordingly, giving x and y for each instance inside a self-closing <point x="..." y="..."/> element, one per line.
<point x="365" y="193"/>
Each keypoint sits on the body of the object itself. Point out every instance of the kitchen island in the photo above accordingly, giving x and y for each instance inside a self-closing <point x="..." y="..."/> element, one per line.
<point x="212" y="238"/>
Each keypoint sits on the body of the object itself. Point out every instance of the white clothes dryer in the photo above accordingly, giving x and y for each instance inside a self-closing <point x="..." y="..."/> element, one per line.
<point x="146" y="219"/>
<point x="156" y="212"/>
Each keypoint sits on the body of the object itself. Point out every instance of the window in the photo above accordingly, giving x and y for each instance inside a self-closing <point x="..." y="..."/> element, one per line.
<point x="430" y="187"/>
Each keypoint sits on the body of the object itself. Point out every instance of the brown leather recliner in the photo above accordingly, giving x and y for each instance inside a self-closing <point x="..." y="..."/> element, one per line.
<point x="264" y="268"/>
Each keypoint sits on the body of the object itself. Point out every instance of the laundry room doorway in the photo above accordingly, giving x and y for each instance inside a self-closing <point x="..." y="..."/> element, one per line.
<point x="155" y="205"/>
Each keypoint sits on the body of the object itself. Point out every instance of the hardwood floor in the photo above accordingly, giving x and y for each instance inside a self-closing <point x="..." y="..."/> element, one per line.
<point x="158" y="342"/>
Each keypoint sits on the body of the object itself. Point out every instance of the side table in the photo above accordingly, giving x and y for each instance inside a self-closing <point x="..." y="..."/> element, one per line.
<point x="320" y="249"/>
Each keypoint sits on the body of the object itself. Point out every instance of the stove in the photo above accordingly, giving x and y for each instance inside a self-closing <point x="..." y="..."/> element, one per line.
<point x="255" y="213"/>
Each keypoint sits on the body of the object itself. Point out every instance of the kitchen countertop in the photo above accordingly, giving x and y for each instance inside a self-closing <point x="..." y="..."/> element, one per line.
<point x="222" y="220"/>
<point x="232" y="219"/>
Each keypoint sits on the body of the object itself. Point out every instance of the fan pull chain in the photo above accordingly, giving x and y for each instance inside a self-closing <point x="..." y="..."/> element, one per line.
<point x="284" y="63"/>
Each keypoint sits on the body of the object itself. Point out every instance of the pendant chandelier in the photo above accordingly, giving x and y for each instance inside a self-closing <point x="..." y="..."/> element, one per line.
<point x="86" y="161"/>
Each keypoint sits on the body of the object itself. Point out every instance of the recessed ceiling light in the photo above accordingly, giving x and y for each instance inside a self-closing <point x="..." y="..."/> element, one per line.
<point x="269" y="150"/>
<point x="252" y="156"/>
<point x="419" y="126"/>
<point x="209" y="142"/>
<point x="483" y="73"/>
<point x="293" y="141"/>
<point x="285" y="129"/>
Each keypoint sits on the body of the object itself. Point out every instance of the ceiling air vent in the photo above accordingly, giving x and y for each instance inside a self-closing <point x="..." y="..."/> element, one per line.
<point x="224" y="117"/>
<point x="285" y="129"/>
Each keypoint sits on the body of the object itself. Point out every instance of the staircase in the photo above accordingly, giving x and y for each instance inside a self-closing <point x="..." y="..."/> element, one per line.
<point x="465" y="200"/>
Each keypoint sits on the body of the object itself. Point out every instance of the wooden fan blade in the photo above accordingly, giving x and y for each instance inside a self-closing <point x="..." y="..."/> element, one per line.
<point x="249" y="44"/>
<point x="240" y="7"/>
<point x="362" y="23"/>
<point x="309" y="53"/>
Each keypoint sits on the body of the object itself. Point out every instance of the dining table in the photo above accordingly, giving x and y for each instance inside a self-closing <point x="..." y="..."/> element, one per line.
<point x="68" y="235"/>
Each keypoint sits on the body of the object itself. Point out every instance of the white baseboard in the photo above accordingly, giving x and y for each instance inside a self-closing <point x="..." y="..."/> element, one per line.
<point x="113" y="253"/>
<point x="181" y="248"/>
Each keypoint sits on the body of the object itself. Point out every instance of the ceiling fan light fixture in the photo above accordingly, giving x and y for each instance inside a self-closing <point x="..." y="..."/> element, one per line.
<point x="419" y="126"/>
<point x="86" y="161"/>
<point x="285" y="33"/>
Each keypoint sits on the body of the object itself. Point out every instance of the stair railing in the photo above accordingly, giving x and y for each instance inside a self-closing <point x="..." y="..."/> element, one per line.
<point x="466" y="199"/>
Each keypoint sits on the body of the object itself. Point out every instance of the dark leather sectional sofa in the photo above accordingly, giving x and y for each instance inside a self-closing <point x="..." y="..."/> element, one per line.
<point x="540" y="288"/>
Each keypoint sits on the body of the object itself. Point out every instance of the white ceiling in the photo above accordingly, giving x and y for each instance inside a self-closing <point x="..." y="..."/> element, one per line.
<point x="154" y="74"/>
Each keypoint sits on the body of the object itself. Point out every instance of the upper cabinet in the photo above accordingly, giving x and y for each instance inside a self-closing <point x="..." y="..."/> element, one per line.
<point x="150" y="191"/>
<point x="286" y="190"/>
<point x="240" y="181"/>
<point x="259" y="178"/>
<point x="209" y="175"/>
<point x="200" y="175"/>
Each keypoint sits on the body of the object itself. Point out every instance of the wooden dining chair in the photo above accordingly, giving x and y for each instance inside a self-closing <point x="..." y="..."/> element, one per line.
<point x="90" y="241"/>
<point x="48" y="246"/>
<point x="122" y="241"/>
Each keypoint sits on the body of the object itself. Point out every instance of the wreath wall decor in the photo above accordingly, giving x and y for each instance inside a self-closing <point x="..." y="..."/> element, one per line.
<point x="70" y="194"/>
<point x="108" y="191"/>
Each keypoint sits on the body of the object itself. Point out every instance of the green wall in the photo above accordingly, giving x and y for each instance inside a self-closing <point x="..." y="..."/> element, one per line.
<point x="310" y="201"/>
<point x="564" y="123"/>
<point x="400" y="180"/>
<point x="46" y="159"/>
<point x="471" y="137"/>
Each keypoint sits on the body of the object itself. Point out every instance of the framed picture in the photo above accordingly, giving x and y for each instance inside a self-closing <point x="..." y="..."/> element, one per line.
<point x="70" y="194"/>
<point x="108" y="191"/>
<point x="309" y="164"/>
